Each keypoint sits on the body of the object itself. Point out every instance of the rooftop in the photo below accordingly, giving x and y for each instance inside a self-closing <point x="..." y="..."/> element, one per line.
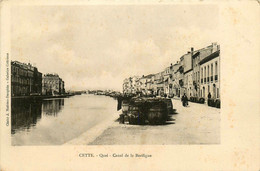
<point x="27" y="66"/>
<point x="51" y="75"/>
<point x="211" y="56"/>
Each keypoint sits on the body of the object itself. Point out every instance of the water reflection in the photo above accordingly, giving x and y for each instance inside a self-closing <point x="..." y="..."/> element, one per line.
<point x="56" y="121"/>
<point x="26" y="113"/>
<point x="52" y="107"/>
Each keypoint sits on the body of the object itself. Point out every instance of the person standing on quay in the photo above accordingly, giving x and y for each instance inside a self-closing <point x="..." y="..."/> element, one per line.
<point x="209" y="97"/>
<point x="184" y="100"/>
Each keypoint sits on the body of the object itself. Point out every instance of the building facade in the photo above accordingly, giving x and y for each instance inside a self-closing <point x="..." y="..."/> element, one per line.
<point x="188" y="86"/>
<point x="167" y="81"/>
<point x="210" y="76"/>
<point x="25" y="79"/>
<point x="198" y="56"/>
<point x="131" y="85"/>
<point x="180" y="77"/>
<point x="126" y="86"/>
<point x="175" y="80"/>
<point x="196" y="74"/>
<point x="149" y="88"/>
<point x="52" y="84"/>
<point x="187" y="73"/>
<point x="159" y="84"/>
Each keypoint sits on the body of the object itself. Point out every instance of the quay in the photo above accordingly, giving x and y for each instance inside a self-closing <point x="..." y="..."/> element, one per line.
<point x="40" y="97"/>
<point x="196" y="124"/>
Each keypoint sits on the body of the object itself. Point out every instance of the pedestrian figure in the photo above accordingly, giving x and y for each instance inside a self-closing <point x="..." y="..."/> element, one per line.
<point x="209" y="97"/>
<point x="184" y="100"/>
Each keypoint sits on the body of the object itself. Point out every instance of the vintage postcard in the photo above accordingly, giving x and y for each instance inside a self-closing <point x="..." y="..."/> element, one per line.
<point x="109" y="85"/>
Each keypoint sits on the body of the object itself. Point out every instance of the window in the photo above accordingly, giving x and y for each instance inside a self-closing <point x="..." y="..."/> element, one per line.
<point x="211" y="70"/>
<point x="216" y="71"/>
<point x="208" y="70"/>
<point x="201" y="75"/>
<point x="204" y="72"/>
<point x="216" y="68"/>
<point x="217" y="92"/>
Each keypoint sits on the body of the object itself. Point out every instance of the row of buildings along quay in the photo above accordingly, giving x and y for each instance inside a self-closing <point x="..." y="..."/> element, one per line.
<point x="197" y="74"/>
<point x="26" y="80"/>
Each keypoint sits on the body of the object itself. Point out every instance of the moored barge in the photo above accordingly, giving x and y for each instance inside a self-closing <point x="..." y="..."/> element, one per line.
<point x="143" y="110"/>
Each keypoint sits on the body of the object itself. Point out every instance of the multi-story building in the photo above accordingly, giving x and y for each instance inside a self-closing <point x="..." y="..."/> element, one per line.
<point x="159" y="84"/>
<point x="126" y="85"/>
<point x="188" y="83"/>
<point x="143" y="85"/>
<point x="167" y="80"/>
<point x="52" y="84"/>
<point x="37" y="80"/>
<point x="62" y="86"/>
<point x="153" y="85"/>
<point x="180" y="77"/>
<point x="149" y="88"/>
<point x="131" y="85"/>
<point x="196" y="58"/>
<point x="175" y="78"/>
<point x="170" y="82"/>
<point x="135" y="87"/>
<point x="196" y="74"/>
<point x="209" y="69"/>
<point x="25" y="79"/>
<point x="187" y="73"/>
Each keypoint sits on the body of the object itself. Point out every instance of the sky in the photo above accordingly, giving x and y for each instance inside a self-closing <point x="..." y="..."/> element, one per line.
<point x="97" y="47"/>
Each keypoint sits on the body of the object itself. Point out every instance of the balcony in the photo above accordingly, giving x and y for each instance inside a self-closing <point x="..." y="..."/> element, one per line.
<point x="216" y="77"/>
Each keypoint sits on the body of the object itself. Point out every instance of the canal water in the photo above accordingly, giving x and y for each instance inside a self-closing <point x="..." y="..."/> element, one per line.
<point x="56" y="121"/>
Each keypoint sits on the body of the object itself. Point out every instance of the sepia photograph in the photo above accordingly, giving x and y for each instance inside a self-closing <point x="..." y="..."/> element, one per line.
<point x="133" y="85"/>
<point x="153" y="72"/>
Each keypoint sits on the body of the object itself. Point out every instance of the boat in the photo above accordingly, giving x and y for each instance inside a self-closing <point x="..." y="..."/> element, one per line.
<point x="144" y="110"/>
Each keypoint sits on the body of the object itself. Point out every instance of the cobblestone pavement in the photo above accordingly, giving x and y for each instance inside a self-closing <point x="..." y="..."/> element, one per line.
<point x="195" y="124"/>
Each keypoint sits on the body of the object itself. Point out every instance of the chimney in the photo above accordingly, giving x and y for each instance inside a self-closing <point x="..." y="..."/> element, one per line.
<point x="191" y="49"/>
<point x="214" y="47"/>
